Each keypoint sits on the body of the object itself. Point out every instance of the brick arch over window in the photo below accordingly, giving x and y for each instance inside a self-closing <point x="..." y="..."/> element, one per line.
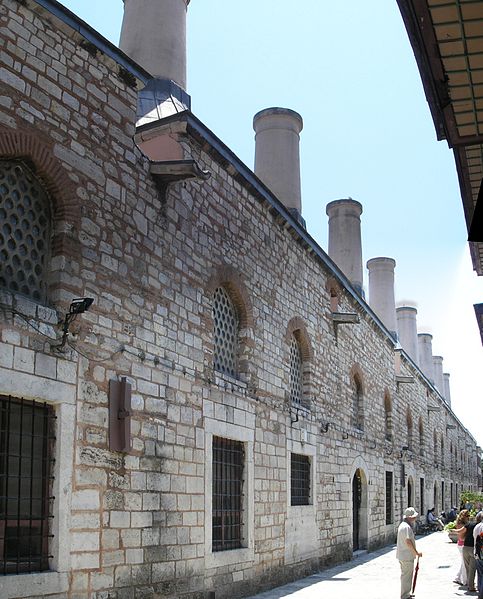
<point x="421" y="436"/>
<point x="357" y="390"/>
<point x="296" y="327"/>
<point x="297" y="336"/>
<point x="229" y="279"/>
<point x="388" y="415"/>
<point x="33" y="149"/>
<point x="334" y="290"/>
<point x="409" y="425"/>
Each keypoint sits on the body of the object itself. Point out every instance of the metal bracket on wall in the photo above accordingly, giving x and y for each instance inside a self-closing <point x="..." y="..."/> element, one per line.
<point x="404" y="380"/>
<point x="339" y="318"/>
<point x="119" y="415"/>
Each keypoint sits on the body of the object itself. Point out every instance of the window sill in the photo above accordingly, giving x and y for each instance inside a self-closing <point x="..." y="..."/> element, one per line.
<point x="37" y="585"/>
<point x="224" y="380"/>
<point x="219" y="559"/>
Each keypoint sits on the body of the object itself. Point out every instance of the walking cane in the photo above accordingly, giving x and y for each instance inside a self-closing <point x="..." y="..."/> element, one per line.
<point x="416" y="570"/>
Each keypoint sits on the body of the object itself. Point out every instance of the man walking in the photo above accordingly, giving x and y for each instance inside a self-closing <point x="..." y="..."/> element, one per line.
<point x="406" y="551"/>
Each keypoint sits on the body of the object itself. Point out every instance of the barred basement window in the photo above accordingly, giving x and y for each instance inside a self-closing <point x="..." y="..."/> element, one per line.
<point x="227" y="325"/>
<point x="295" y="379"/>
<point x="227" y="515"/>
<point x="299" y="479"/>
<point x="24" y="231"/>
<point x="25" y="484"/>
<point x="389" y="513"/>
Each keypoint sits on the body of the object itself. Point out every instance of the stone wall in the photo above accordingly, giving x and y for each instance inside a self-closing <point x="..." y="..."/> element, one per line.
<point x="138" y="524"/>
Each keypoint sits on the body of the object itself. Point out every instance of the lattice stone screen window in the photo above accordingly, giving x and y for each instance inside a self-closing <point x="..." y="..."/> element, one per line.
<point x="226" y="323"/>
<point x="299" y="479"/>
<point x="389" y="512"/>
<point x="295" y="372"/>
<point x="24" y="231"/>
<point x="227" y="516"/>
<point x="25" y="483"/>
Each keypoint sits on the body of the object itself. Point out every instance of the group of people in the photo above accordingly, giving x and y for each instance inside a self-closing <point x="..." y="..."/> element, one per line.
<point x="470" y="536"/>
<point x="470" y="544"/>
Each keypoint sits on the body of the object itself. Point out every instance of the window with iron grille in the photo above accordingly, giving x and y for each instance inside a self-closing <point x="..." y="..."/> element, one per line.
<point x="389" y="493"/>
<point x="227" y="498"/>
<point x="25" y="484"/>
<point x="299" y="479"/>
<point x="226" y="323"/>
<point x="24" y="231"/>
<point x="357" y="404"/>
<point x="295" y="377"/>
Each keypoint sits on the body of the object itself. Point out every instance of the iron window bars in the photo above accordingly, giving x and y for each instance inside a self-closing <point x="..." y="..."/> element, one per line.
<point x="227" y="516"/>
<point x="299" y="479"/>
<point x="226" y="331"/>
<point x="389" y="516"/>
<point x="26" y="438"/>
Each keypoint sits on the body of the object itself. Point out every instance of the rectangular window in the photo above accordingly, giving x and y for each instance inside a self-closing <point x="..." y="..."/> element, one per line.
<point x="25" y="484"/>
<point x="227" y="489"/>
<point x="389" y="514"/>
<point x="300" y="479"/>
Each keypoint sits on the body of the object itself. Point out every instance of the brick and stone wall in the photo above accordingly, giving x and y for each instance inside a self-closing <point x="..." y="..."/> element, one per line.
<point x="135" y="524"/>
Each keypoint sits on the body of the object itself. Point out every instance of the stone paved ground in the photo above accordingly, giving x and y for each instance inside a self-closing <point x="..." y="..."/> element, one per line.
<point x="376" y="576"/>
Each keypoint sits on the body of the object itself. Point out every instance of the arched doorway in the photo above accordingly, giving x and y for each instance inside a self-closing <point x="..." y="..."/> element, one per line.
<point x="359" y="510"/>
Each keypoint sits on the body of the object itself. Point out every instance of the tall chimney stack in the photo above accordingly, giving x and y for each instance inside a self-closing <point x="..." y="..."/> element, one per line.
<point x="447" y="391"/>
<point x="345" y="244"/>
<point x="381" y="290"/>
<point x="408" y="331"/>
<point x="277" y="156"/>
<point x="153" y="34"/>
<point x="438" y="374"/>
<point x="425" y="351"/>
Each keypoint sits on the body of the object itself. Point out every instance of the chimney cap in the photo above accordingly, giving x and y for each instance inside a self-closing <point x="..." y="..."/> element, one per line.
<point x="279" y="111"/>
<point x="406" y="308"/>
<point x="381" y="261"/>
<point x="425" y="335"/>
<point x="354" y="204"/>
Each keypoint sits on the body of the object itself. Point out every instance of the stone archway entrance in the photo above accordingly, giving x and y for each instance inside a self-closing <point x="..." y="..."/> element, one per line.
<point x="359" y="510"/>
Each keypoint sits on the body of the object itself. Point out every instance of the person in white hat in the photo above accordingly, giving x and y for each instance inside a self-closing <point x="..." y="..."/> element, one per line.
<point x="406" y="551"/>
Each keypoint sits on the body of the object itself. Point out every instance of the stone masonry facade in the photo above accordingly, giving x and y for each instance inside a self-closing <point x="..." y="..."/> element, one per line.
<point x="139" y="523"/>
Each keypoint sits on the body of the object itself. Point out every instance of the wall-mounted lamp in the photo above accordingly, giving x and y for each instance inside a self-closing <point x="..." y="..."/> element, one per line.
<point x="325" y="427"/>
<point x="77" y="306"/>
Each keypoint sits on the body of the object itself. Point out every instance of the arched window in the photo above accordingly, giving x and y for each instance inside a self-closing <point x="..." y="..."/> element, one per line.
<point x="421" y="437"/>
<point x="409" y="424"/>
<point x="25" y="229"/>
<point x="296" y="372"/>
<point x="388" y="417"/>
<point x="357" y="403"/>
<point x="226" y="333"/>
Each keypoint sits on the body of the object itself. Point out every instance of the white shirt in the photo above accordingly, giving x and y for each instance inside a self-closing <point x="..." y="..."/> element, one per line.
<point x="403" y="552"/>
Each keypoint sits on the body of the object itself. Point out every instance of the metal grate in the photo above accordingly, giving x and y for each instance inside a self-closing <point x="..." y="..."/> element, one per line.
<point x="25" y="484"/>
<point x="227" y="516"/>
<point x="300" y="479"/>
<point x="24" y="231"/>
<point x="357" y="407"/>
<point x="227" y="325"/>
<point x="295" y="372"/>
<point x="389" y="514"/>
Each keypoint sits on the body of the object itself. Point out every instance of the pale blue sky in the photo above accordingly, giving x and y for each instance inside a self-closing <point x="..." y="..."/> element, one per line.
<point x="347" y="67"/>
